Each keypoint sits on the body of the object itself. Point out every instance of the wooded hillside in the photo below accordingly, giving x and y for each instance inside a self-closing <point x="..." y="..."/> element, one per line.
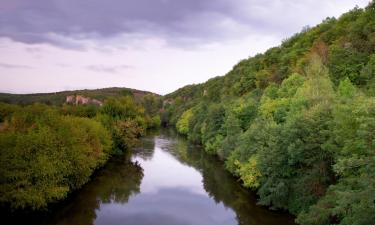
<point x="296" y="123"/>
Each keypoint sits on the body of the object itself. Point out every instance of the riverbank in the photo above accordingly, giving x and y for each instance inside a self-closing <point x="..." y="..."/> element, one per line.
<point x="48" y="152"/>
<point x="178" y="184"/>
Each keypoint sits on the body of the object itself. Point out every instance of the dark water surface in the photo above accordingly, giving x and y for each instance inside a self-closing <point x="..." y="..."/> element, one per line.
<point x="167" y="182"/>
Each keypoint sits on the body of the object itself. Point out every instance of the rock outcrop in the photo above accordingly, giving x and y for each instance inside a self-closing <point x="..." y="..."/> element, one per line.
<point x="82" y="100"/>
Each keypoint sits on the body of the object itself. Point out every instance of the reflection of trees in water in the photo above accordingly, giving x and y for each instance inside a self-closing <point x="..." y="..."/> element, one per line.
<point x="120" y="179"/>
<point x="117" y="182"/>
<point x="145" y="149"/>
<point x="222" y="186"/>
<point x="174" y="144"/>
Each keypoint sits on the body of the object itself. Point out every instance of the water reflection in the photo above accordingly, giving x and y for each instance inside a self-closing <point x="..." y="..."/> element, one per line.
<point x="145" y="149"/>
<point x="166" y="182"/>
<point x="115" y="184"/>
<point x="220" y="185"/>
<point x="163" y="171"/>
<point x="167" y="206"/>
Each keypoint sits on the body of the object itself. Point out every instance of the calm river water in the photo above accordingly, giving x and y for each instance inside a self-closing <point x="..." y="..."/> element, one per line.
<point x="167" y="181"/>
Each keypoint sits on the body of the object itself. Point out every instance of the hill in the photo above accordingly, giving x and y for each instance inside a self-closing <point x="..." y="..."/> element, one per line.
<point x="58" y="98"/>
<point x="296" y="122"/>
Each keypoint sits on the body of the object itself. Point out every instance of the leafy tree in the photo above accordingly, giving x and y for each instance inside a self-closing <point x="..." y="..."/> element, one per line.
<point x="249" y="172"/>
<point x="213" y="123"/>
<point x="351" y="200"/>
<point x="296" y="122"/>
<point x="182" y="124"/>
<point x="346" y="62"/>
<point x="233" y="130"/>
<point x="45" y="155"/>
<point x="126" y="134"/>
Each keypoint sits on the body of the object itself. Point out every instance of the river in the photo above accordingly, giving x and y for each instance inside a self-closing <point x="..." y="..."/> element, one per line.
<point x="166" y="181"/>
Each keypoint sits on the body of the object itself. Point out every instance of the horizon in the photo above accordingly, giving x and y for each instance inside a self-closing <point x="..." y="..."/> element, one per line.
<point x="83" y="89"/>
<point x="157" y="51"/>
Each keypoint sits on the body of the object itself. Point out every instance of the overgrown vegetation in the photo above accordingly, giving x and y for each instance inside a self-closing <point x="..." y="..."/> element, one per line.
<point x="297" y="122"/>
<point x="46" y="152"/>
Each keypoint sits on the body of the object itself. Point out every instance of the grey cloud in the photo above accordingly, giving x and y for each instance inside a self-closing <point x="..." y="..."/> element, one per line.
<point x="44" y="21"/>
<point x="32" y="21"/>
<point x="66" y="23"/>
<point x="14" y="66"/>
<point x="108" y="69"/>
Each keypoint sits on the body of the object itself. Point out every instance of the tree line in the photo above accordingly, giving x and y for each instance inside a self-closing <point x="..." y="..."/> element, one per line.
<point x="46" y="152"/>
<point x="296" y="123"/>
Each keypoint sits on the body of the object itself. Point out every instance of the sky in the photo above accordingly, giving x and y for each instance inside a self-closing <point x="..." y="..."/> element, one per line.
<point x="153" y="45"/>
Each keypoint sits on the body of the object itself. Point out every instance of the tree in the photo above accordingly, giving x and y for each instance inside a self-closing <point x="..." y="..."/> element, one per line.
<point x="233" y="131"/>
<point x="182" y="124"/>
<point x="44" y="155"/>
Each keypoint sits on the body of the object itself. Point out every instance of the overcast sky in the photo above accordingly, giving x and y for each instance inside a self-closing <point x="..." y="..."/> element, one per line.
<point x="154" y="45"/>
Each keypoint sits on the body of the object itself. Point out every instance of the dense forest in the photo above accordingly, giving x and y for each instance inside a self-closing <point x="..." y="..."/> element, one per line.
<point x="296" y="123"/>
<point x="48" y="151"/>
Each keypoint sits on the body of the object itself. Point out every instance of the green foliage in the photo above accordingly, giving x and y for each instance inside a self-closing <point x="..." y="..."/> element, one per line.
<point x="214" y="144"/>
<point x="155" y="122"/>
<point x="127" y="92"/>
<point x="126" y="134"/>
<point x="182" y="124"/>
<point x="346" y="89"/>
<point x="318" y="88"/>
<point x="296" y="123"/>
<point x="125" y="120"/>
<point x="45" y="155"/>
<point x="368" y="73"/>
<point x="245" y="110"/>
<point x="290" y="85"/>
<point x="58" y="98"/>
<point x="214" y="122"/>
<point x="346" y="62"/>
<point x="152" y="104"/>
<point x="262" y="78"/>
<point x="46" y="152"/>
<point x="249" y="173"/>
<point x="121" y="108"/>
<point x="6" y="110"/>
<point x="88" y="111"/>
<point x="233" y="130"/>
<point x="351" y="199"/>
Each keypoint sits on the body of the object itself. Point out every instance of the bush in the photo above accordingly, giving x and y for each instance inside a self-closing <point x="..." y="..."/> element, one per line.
<point x="45" y="155"/>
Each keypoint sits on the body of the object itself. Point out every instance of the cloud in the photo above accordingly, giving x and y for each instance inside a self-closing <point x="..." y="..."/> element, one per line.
<point x="45" y="21"/>
<point x="14" y="66"/>
<point x="108" y="69"/>
<point x="168" y="43"/>
<point x="69" y="23"/>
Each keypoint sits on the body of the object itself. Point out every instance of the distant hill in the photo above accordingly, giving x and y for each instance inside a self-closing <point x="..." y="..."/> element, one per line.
<point x="58" y="98"/>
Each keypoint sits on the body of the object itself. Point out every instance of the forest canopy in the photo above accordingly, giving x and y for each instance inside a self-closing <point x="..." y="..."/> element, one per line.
<point x="49" y="151"/>
<point x="296" y="123"/>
